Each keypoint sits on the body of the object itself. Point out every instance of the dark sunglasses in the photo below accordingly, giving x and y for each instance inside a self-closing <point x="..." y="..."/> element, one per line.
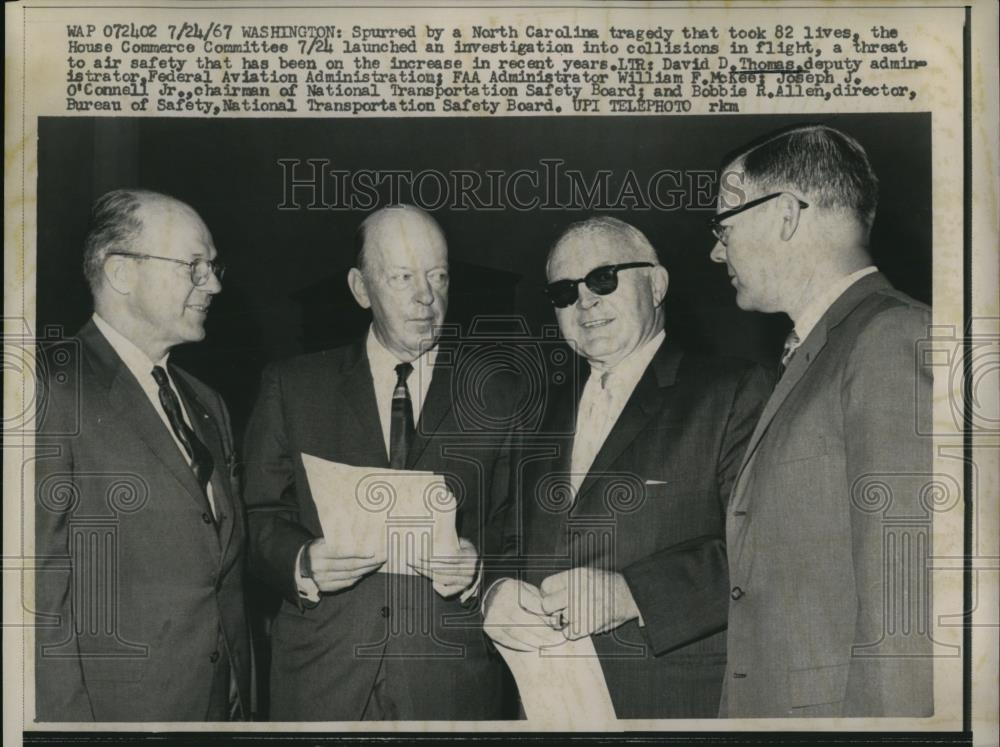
<point x="601" y="280"/>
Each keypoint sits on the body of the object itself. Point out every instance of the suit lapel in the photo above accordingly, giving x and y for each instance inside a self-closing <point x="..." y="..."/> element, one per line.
<point x="130" y="403"/>
<point x="547" y="521"/>
<point x="358" y="392"/>
<point x="797" y="367"/>
<point x="805" y="356"/>
<point x="207" y="430"/>
<point x="645" y="402"/>
<point x="437" y="405"/>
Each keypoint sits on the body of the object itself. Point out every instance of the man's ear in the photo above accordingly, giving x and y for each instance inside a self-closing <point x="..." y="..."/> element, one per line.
<point x="789" y="213"/>
<point x="659" y="282"/>
<point x="119" y="273"/>
<point x="359" y="289"/>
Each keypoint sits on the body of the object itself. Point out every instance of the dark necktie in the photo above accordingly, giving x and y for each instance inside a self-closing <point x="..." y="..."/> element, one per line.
<point x="401" y="429"/>
<point x="197" y="452"/>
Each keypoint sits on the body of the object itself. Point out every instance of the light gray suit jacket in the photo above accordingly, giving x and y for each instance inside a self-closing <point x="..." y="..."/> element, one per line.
<point x="829" y="525"/>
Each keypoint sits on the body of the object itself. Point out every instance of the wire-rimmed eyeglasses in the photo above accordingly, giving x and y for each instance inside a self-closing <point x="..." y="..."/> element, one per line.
<point x="201" y="269"/>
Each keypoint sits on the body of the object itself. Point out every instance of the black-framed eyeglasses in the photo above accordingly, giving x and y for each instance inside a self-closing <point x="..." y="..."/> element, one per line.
<point x="601" y="280"/>
<point x="721" y="232"/>
<point x="201" y="269"/>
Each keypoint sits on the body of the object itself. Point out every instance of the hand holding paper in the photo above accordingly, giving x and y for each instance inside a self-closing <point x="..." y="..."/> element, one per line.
<point x="396" y="517"/>
<point x="454" y="574"/>
<point x="333" y="570"/>
<point x="588" y="600"/>
<point x="515" y="618"/>
<point x="561" y="682"/>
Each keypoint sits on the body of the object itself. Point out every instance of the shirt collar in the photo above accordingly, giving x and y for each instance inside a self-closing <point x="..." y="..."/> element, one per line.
<point x="134" y="359"/>
<point x="382" y="361"/>
<point x="630" y="369"/>
<point x="822" y="302"/>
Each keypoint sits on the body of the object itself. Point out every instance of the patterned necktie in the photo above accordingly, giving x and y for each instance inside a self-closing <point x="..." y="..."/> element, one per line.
<point x="792" y="343"/>
<point x="401" y="429"/>
<point x="197" y="452"/>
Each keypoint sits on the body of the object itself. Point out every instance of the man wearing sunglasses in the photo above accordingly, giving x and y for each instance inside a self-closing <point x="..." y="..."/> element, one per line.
<point x="139" y="528"/>
<point x="830" y="610"/>
<point x="621" y="531"/>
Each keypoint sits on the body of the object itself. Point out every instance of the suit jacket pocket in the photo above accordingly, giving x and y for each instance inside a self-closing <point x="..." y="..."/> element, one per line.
<point x="816" y="686"/>
<point x="800" y="449"/>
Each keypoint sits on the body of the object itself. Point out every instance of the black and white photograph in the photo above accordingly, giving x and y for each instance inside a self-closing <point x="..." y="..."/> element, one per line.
<point x="499" y="414"/>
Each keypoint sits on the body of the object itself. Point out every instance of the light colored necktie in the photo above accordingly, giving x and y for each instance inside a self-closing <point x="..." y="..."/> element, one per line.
<point x="591" y="432"/>
<point x="792" y="343"/>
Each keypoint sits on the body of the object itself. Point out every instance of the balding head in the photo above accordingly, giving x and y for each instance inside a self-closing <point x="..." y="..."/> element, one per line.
<point x="151" y="265"/>
<point x="400" y="220"/>
<point x="628" y="243"/>
<point x="401" y="274"/>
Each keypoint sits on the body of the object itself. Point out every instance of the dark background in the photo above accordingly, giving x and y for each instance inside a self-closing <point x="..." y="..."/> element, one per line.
<point x="286" y="291"/>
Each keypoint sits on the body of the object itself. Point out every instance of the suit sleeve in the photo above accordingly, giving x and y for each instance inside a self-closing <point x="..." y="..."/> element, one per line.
<point x="883" y="386"/>
<point x="271" y="499"/>
<point x="60" y="689"/>
<point x="682" y="591"/>
<point x="500" y="530"/>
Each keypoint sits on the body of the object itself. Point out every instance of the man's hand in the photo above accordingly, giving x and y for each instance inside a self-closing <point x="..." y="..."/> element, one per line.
<point x="584" y="601"/>
<point x="514" y="617"/>
<point x="332" y="571"/>
<point x="451" y="576"/>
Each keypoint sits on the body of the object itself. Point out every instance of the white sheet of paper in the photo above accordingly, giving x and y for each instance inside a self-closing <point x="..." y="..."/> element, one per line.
<point x="400" y="516"/>
<point x="562" y="687"/>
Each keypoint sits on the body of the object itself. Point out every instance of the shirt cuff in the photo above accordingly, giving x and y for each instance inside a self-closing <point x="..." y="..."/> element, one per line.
<point x="306" y="586"/>
<point x="474" y="589"/>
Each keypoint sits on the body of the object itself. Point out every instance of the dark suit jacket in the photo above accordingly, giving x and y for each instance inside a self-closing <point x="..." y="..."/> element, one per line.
<point x="134" y="584"/>
<point x="651" y="507"/>
<point x="829" y="524"/>
<point x="394" y="629"/>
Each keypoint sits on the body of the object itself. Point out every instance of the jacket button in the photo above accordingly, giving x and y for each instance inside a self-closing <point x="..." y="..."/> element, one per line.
<point x="214" y="657"/>
<point x="736" y="593"/>
<point x="205" y="517"/>
<point x="385" y="612"/>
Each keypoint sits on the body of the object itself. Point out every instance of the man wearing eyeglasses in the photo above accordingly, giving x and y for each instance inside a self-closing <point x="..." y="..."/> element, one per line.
<point x="830" y="610"/>
<point x="139" y="529"/>
<point x="621" y="531"/>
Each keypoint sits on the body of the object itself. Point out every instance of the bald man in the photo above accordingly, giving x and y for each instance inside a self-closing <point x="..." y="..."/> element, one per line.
<point x="622" y="532"/>
<point x="140" y="533"/>
<point x="350" y="643"/>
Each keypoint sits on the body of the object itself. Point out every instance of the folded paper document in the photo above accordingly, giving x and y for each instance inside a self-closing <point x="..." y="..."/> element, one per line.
<point x="562" y="687"/>
<point x="400" y="516"/>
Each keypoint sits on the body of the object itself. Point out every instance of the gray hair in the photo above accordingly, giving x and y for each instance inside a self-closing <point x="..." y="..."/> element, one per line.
<point x="115" y="225"/>
<point x="604" y="224"/>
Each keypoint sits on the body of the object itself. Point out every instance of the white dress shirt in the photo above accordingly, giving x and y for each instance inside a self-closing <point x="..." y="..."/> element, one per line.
<point x="604" y="397"/>
<point x="141" y="367"/>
